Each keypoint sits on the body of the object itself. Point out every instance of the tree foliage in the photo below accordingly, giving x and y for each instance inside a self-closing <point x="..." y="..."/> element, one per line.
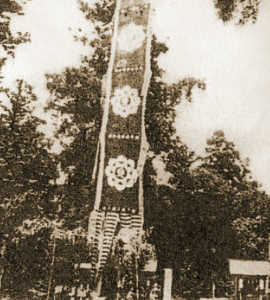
<point x="241" y="11"/>
<point x="9" y="40"/>
<point x="26" y="165"/>
<point x="27" y="172"/>
<point x="27" y="264"/>
<point x="210" y="211"/>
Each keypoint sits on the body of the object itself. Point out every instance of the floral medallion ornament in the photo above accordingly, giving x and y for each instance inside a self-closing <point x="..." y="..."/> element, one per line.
<point x="121" y="173"/>
<point x="125" y="101"/>
<point x="131" y="37"/>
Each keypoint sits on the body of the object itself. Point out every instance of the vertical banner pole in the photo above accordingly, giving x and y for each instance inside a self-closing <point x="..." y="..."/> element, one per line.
<point x="240" y="286"/>
<point x="167" y="288"/>
<point x="99" y="286"/>
<point x="267" y="285"/>
<point x="213" y="290"/>
<point x="235" y="288"/>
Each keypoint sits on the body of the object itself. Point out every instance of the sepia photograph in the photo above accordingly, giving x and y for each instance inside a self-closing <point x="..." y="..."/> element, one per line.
<point x="134" y="150"/>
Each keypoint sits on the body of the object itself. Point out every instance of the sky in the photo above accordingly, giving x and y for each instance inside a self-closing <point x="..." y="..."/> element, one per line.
<point x="233" y="61"/>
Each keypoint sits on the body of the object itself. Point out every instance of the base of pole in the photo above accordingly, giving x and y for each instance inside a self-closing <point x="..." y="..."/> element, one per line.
<point x="167" y="288"/>
<point x="95" y="296"/>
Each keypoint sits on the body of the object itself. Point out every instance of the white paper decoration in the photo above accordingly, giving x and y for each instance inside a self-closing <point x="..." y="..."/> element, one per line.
<point x="125" y="101"/>
<point x="131" y="37"/>
<point x="121" y="173"/>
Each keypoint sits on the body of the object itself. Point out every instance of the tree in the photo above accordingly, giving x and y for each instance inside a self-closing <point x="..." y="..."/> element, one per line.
<point x="210" y="210"/>
<point x="241" y="11"/>
<point x="27" y="167"/>
<point x="247" y="198"/>
<point x="27" y="170"/>
<point x="223" y="222"/>
<point x="81" y="117"/>
<point x="8" y="40"/>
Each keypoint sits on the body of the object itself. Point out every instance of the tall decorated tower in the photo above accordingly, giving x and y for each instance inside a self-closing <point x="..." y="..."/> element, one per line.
<point x="122" y="149"/>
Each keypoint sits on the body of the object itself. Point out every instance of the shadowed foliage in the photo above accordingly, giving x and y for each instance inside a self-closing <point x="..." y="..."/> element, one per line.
<point x="239" y="11"/>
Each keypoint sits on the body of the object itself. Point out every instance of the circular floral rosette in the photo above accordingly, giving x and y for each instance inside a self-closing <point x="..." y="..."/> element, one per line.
<point x="131" y="37"/>
<point x="121" y="173"/>
<point x="125" y="101"/>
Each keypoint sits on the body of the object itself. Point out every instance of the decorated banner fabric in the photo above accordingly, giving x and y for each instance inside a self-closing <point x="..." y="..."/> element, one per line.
<point x="123" y="120"/>
<point x="119" y="195"/>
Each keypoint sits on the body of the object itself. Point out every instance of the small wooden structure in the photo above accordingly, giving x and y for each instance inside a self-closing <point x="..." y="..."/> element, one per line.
<point x="251" y="279"/>
<point x="151" y="281"/>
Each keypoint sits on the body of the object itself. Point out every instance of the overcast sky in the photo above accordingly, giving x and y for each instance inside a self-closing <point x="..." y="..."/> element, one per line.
<point x="234" y="61"/>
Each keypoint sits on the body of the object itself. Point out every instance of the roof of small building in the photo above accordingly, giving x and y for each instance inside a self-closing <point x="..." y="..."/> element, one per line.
<point x="249" y="267"/>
